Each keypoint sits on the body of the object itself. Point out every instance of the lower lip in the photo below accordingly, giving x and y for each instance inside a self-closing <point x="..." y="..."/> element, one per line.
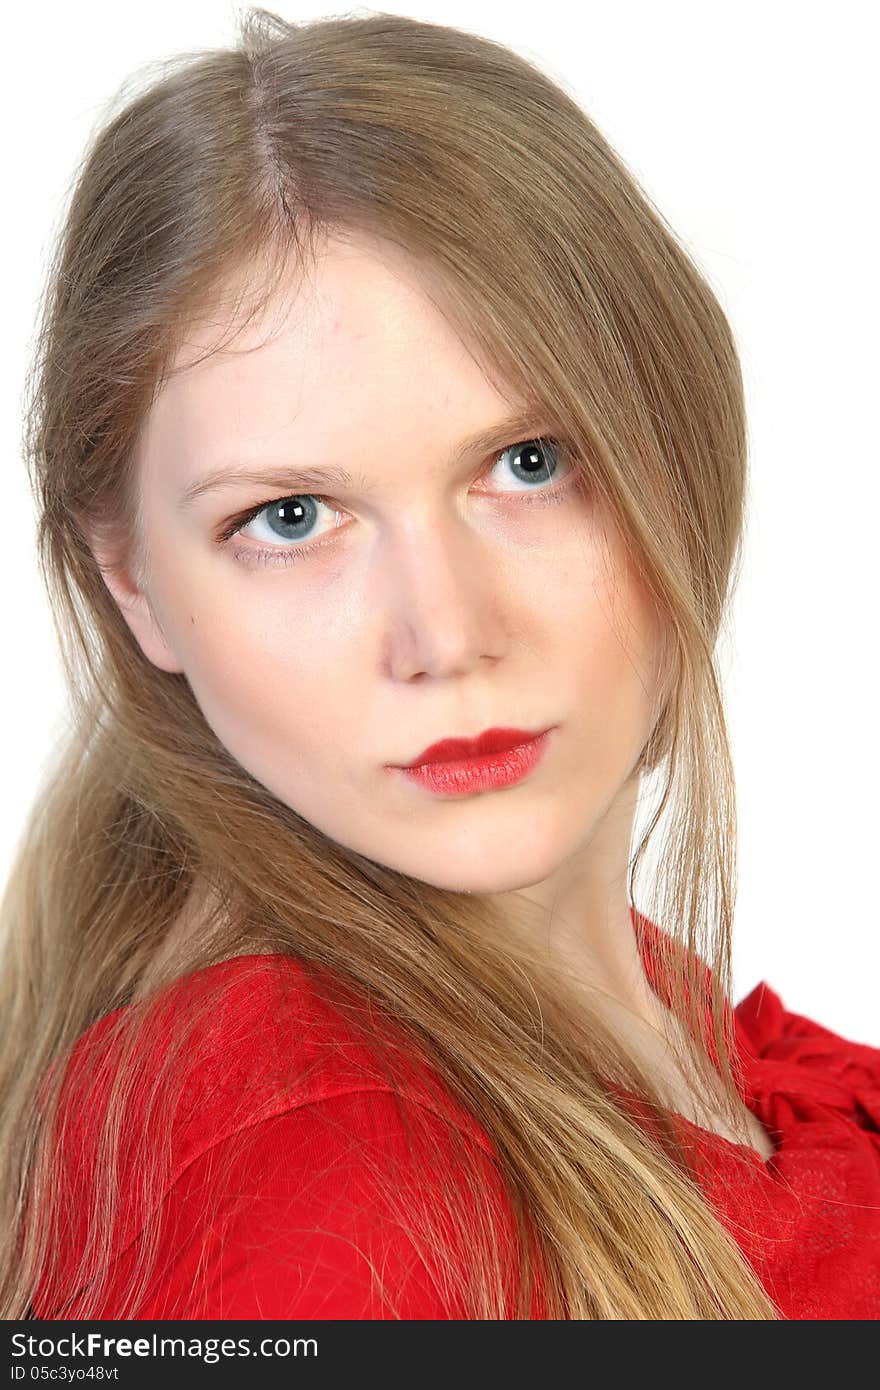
<point x="489" y="773"/>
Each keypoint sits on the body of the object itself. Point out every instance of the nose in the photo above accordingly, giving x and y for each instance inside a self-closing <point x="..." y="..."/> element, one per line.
<point x="444" y="602"/>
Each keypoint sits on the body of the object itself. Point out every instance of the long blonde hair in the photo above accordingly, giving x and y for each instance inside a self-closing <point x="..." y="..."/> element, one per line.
<point x="568" y="286"/>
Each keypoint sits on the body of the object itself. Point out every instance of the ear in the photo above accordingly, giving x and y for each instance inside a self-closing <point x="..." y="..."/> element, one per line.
<point x="128" y="587"/>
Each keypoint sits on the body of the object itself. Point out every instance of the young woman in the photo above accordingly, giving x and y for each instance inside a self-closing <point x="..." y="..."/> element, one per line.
<point x="390" y="457"/>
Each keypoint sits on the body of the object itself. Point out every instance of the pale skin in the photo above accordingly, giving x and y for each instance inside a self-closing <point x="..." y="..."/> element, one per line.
<point x="438" y="603"/>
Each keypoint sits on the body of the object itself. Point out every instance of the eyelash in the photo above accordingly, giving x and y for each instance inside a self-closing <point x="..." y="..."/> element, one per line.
<point x="286" y="555"/>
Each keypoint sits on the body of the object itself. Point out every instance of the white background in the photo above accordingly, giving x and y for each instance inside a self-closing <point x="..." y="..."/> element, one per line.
<point x="752" y="127"/>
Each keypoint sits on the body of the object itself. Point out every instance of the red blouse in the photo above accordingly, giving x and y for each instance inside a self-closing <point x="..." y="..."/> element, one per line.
<point x="293" y="1165"/>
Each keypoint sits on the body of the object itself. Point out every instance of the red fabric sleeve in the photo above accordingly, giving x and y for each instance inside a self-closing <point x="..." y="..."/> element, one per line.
<point x="282" y="1221"/>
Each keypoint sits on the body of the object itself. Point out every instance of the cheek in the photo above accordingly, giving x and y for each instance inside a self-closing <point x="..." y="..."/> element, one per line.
<point x="268" y="677"/>
<point x="272" y="662"/>
<point x="605" y="646"/>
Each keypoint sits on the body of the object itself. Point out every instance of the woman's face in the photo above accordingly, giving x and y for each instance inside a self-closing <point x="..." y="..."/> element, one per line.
<point x="436" y="594"/>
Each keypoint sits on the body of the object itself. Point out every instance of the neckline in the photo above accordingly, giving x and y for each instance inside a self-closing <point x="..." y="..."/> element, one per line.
<point x="712" y="1137"/>
<point x="652" y="961"/>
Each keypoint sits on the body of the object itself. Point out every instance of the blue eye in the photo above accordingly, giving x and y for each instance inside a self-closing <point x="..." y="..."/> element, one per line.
<point x="290" y="516"/>
<point x="530" y="457"/>
<point x="535" y="462"/>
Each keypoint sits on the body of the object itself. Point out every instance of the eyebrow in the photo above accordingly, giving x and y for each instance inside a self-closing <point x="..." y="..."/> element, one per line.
<point x="298" y="480"/>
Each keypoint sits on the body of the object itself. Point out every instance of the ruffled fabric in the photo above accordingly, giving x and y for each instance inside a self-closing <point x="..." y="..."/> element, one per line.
<point x="808" y="1220"/>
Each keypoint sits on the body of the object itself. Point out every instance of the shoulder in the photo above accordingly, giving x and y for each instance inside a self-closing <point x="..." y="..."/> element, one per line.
<point x="307" y="1214"/>
<point x="262" y="1035"/>
<point x="294" y="1162"/>
<point x="806" y="1079"/>
<point x="771" y="1031"/>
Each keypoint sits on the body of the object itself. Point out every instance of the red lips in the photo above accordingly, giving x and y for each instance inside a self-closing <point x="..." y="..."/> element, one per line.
<point x="490" y="741"/>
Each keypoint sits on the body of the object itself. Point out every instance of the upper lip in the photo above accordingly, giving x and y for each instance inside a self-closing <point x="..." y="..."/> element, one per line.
<point x="489" y="741"/>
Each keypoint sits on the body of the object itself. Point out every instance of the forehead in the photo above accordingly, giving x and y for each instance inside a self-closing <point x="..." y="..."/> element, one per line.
<point x="356" y="345"/>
